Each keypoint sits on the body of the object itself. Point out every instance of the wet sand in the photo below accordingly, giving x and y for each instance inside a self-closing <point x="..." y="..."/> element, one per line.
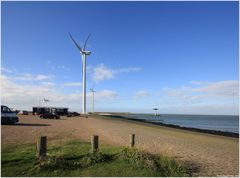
<point x="206" y="154"/>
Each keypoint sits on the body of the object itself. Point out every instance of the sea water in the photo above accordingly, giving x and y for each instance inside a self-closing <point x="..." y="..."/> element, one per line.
<point x="209" y="122"/>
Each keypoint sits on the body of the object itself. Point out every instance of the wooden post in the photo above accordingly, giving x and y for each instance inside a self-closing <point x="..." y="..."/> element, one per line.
<point x="131" y="140"/>
<point x="41" y="147"/>
<point x="94" y="143"/>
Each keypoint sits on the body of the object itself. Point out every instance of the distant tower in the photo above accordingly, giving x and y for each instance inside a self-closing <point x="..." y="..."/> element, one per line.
<point x="84" y="53"/>
<point x="155" y="109"/>
<point x="93" y="91"/>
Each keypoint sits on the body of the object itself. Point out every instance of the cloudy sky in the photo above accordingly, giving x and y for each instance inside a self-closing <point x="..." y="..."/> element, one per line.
<point x="179" y="56"/>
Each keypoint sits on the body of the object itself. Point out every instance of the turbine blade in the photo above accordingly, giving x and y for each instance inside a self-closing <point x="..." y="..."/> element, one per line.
<point x="78" y="46"/>
<point x="86" y="41"/>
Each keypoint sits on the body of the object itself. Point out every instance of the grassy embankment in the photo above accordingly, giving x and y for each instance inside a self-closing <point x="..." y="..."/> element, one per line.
<point x="73" y="159"/>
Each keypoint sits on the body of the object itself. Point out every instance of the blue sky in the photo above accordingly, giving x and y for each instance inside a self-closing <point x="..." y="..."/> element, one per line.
<point x="179" y="56"/>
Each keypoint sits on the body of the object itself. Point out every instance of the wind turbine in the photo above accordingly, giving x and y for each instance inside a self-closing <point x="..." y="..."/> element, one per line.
<point x="83" y="53"/>
<point x="93" y="91"/>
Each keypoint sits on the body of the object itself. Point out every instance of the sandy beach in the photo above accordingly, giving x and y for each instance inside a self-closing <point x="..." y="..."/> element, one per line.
<point x="206" y="154"/>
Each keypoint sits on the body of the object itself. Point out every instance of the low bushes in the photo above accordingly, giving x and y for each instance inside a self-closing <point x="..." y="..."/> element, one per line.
<point x="74" y="159"/>
<point x="158" y="163"/>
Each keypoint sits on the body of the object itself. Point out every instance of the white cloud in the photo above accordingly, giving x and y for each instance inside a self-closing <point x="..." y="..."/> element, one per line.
<point x="224" y="89"/>
<point x="25" y="96"/>
<point x="200" y="97"/>
<point x="206" y="91"/>
<point x="20" y="95"/>
<point x="5" y="70"/>
<point x="106" y="94"/>
<point x="72" y="84"/>
<point x="127" y="70"/>
<point x="141" y="94"/>
<point x="32" y="77"/>
<point x="102" y="72"/>
<point x="195" y="82"/>
<point x="43" y="77"/>
<point x="219" y="109"/>
<point x="183" y="96"/>
<point x="48" y="83"/>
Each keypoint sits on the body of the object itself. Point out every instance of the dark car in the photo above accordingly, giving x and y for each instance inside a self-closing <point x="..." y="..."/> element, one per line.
<point x="24" y="112"/>
<point x="49" y="116"/>
<point x="8" y="116"/>
<point x="76" y="114"/>
<point x="72" y="114"/>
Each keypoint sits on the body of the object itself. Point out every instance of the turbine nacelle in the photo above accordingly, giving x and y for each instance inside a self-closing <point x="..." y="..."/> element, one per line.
<point x="92" y="90"/>
<point x="86" y="52"/>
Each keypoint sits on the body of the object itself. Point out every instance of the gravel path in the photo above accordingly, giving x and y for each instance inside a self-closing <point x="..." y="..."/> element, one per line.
<point x="207" y="155"/>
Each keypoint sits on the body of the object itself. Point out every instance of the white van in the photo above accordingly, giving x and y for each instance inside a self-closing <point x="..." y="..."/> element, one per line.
<point x="8" y="116"/>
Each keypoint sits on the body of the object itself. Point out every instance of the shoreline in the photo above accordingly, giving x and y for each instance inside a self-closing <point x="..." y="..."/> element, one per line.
<point x="214" y="132"/>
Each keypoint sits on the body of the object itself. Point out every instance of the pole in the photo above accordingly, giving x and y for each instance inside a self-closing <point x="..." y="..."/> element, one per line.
<point x="93" y="101"/>
<point x="41" y="147"/>
<point x="94" y="144"/>
<point x="131" y="140"/>
<point x="84" y="84"/>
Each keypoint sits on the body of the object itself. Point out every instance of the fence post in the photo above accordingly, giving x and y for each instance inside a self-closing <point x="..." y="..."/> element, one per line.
<point x="41" y="147"/>
<point x="94" y="144"/>
<point x="131" y="140"/>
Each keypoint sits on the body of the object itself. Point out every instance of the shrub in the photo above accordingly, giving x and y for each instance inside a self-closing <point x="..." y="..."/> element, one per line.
<point x="166" y="166"/>
<point x="63" y="162"/>
<point x="91" y="159"/>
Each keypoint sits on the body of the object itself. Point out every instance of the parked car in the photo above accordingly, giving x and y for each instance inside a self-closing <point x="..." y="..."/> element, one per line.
<point x="72" y="114"/>
<point x="24" y="112"/>
<point x="49" y="116"/>
<point x="8" y="116"/>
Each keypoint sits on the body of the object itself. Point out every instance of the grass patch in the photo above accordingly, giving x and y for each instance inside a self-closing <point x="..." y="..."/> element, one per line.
<point x="74" y="159"/>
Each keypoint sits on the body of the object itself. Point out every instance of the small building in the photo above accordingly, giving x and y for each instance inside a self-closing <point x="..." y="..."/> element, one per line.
<point x="56" y="110"/>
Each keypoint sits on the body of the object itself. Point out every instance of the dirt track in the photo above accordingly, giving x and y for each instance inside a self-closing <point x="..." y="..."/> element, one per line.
<point x="209" y="155"/>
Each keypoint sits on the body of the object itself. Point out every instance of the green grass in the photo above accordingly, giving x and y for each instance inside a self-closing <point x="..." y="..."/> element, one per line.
<point x="74" y="159"/>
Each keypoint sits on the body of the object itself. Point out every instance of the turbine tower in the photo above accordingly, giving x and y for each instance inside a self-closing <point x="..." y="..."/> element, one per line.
<point x="83" y="53"/>
<point x="93" y="91"/>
